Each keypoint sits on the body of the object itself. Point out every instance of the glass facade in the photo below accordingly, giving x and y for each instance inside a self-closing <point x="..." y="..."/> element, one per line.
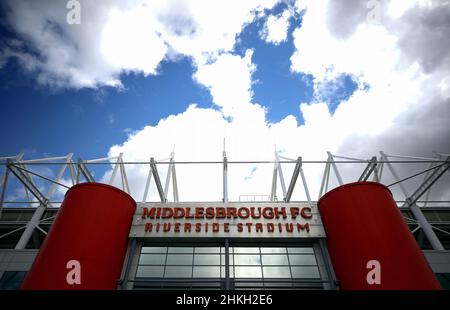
<point x="249" y="267"/>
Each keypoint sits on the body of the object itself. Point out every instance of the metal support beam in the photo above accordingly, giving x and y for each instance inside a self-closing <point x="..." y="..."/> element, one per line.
<point x="273" y="193"/>
<point x="84" y="170"/>
<point x="371" y="167"/>
<point x="417" y="212"/>
<point x="324" y="183"/>
<point x="157" y="180"/>
<point x="336" y="172"/>
<point x="290" y="190"/>
<point x="174" y="184"/>
<point x="116" y="167"/>
<point x="147" y="185"/>
<point x="280" y="174"/>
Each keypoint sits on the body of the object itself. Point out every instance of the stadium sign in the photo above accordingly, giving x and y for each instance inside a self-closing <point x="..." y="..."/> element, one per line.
<point x="236" y="220"/>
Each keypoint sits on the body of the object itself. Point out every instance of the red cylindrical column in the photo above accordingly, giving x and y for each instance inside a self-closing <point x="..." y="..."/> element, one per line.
<point x="91" y="228"/>
<point x="363" y="223"/>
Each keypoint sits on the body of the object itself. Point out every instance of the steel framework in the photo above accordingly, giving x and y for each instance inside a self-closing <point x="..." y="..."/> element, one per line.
<point x="80" y="171"/>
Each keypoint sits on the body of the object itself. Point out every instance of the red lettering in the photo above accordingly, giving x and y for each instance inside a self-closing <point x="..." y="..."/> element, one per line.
<point x="167" y="213"/>
<point x="267" y="213"/>
<point x="178" y="213"/>
<point x="176" y="227"/>
<point x="187" y="227"/>
<point x="198" y="227"/>
<point x="148" y="213"/>
<point x="188" y="213"/>
<point x="306" y="213"/>
<point x="166" y="227"/>
<point x="241" y="213"/>
<point x="216" y="227"/>
<point x="277" y="212"/>
<point x="294" y="213"/>
<point x="210" y="213"/>
<point x="148" y="227"/>
<point x="259" y="227"/>
<point x="240" y="227"/>
<point x="252" y="212"/>
<point x="220" y="213"/>
<point x="199" y="213"/>
<point x="270" y="227"/>
<point x="226" y="227"/>
<point x="231" y="213"/>
<point x="301" y="227"/>
<point x="249" y="226"/>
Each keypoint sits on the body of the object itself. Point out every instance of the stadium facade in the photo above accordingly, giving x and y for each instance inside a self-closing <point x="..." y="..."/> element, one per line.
<point x="355" y="236"/>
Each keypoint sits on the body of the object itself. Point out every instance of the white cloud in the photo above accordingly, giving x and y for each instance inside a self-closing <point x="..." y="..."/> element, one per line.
<point x="236" y="93"/>
<point x="116" y="37"/>
<point x="276" y="28"/>
<point x="403" y="109"/>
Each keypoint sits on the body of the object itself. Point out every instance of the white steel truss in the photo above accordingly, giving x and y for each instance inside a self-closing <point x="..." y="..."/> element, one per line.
<point x="81" y="171"/>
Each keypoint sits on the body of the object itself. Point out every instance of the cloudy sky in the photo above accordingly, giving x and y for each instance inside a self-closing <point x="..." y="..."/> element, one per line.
<point x="142" y="77"/>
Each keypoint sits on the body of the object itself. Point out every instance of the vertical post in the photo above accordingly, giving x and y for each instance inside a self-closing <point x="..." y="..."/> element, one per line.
<point x="225" y="179"/>
<point x="273" y="193"/>
<point x="227" y="264"/>
<point x="174" y="184"/>
<point x="126" y="275"/>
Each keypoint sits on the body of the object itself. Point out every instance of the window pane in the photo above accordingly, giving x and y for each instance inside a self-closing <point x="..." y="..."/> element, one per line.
<point x="179" y="259"/>
<point x="178" y="272"/>
<point x="152" y="259"/>
<point x="275" y="259"/>
<point x="308" y="250"/>
<point x="247" y="260"/>
<point x="181" y="250"/>
<point x="273" y="250"/>
<point x="231" y="271"/>
<point x="206" y="272"/>
<point x="230" y="258"/>
<point x="150" y="272"/>
<point x="305" y="272"/>
<point x="207" y="259"/>
<point x="246" y="250"/>
<point x="247" y="272"/>
<point x="276" y="272"/>
<point x="207" y="250"/>
<point x="302" y="259"/>
<point x="154" y="250"/>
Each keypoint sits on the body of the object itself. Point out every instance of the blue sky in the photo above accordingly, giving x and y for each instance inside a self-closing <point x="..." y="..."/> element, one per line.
<point x="306" y="76"/>
<point x="53" y="121"/>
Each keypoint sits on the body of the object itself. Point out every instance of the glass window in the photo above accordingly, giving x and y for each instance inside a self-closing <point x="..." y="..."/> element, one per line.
<point x="277" y="272"/>
<point x="303" y="250"/>
<point x="206" y="272"/>
<point x="150" y="272"/>
<point x="223" y="271"/>
<point x="178" y="272"/>
<point x="207" y="250"/>
<point x="179" y="259"/>
<point x="154" y="250"/>
<point x="181" y="250"/>
<point x="152" y="259"/>
<point x="275" y="259"/>
<point x="247" y="272"/>
<point x="12" y="280"/>
<point x="207" y="259"/>
<point x="305" y="272"/>
<point x="302" y="259"/>
<point x="242" y="250"/>
<point x="247" y="260"/>
<point x="273" y="250"/>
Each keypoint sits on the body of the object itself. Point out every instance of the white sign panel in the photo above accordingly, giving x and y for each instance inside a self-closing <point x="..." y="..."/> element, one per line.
<point x="227" y="220"/>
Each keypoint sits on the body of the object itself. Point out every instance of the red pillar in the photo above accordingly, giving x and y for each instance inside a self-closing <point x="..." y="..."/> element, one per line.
<point x="92" y="228"/>
<point x="363" y="223"/>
